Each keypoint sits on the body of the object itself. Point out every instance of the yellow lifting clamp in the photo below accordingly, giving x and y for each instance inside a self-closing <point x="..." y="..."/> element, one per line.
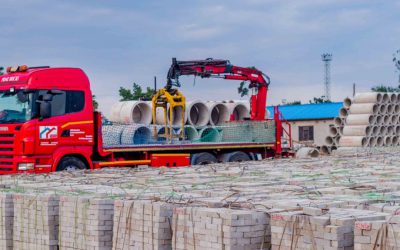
<point x="168" y="100"/>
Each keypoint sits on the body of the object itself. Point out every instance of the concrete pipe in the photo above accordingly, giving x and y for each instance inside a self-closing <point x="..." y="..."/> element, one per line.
<point x="379" y="141"/>
<point x="116" y="112"/>
<point x="329" y="140"/>
<point x="197" y="113"/>
<point x="371" y="141"/>
<point x="358" y="130"/>
<point x="135" y="134"/>
<point x="390" y="130"/>
<point x="353" y="141"/>
<point x="382" y="130"/>
<point x="398" y="97"/>
<point x="375" y="131"/>
<point x="137" y="112"/>
<point x="385" y="98"/>
<point x="369" y="97"/>
<point x="210" y="134"/>
<point x="386" y="120"/>
<point x="239" y="110"/>
<point x="393" y="119"/>
<point x="382" y="109"/>
<point x="364" y="108"/>
<point x="362" y="119"/>
<point x="347" y="103"/>
<point x="343" y="113"/>
<point x="191" y="133"/>
<point x="307" y="152"/>
<point x="338" y="121"/>
<point x="396" y="108"/>
<point x="390" y="109"/>
<point x="397" y="130"/>
<point x="325" y="150"/>
<point x="392" y="97"/>
<point x="333" y="131"/>
<point x="378" y="120"/>
<point x="395" y="140"/>
<point x="177" y="114"/>
<point x="336" y="140"/>
<point x="218" y="113"/>
<point x="387" y="141"/>
<point x="112" y="135"/>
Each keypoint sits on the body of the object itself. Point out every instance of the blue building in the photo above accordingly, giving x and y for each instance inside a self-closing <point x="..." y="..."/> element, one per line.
<point x="310" y="122"/>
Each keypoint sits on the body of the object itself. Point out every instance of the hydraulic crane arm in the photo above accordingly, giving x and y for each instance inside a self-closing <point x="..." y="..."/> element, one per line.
<point x="224" y="69"/>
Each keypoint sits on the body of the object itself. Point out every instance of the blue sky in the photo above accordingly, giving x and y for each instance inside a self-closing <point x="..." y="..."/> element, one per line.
<point x="120" y="42"/>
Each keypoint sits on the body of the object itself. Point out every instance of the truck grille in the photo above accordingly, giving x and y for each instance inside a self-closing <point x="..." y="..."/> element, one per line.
<point x="7" y="151"/>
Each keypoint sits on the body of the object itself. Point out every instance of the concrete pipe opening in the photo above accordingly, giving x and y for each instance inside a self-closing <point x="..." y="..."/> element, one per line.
<point x="390" y="109"/>
<point x="112" y="135"/>
<point x="364" y="108"/>
<point x="386" y="119"/>
<point x="347" y="103"/>
<point x="329" y="140"/>
<point x="314" y="152"/>
<point x="397" y="130"/>
<point x="398" y="98"/>
<point x="135" y="134"/>
<point x="375" y="131"/>
<point x="333" y="131"/>
<point x="338" y="121"/>
<point x="390" y="130"/>
<point x="138" y="112"/>
<point x="372" y="141"/>
<point x="325" y="150"/>
<point x="197" y="113"/>
<point x="307" y="152"/>
<point x="382" y="109"/>
<point x="210" y="134"/>
<point x="383" y="130"/>
<point x="239" y="111"/>
<point x="385" y="98"/>
<point x="219" y="113"/>
<point x="362" y="119"/>
<point x="396" y="108"/>
<point x="393" y="97"/>
<point x="379" y="120"/>
<point x="387" y="141"/>
<point x="353" y="141"/>
<point x="393" y="119"/>
<point x="343" y="113"/>
<point x="369" y="97"/>
<point x="395" y="140"/>
<point x="379" y="141"/>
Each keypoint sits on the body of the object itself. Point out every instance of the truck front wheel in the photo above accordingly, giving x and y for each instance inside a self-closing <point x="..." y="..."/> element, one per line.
<point x="203" y="158"/>
<point x="70" y="163"/>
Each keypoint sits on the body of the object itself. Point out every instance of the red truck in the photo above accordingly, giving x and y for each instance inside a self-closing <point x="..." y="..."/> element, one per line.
<point x="47" y="123"/>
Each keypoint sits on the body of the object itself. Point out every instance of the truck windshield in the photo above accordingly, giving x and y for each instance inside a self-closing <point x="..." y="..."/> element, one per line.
<point x="15" y="106"/>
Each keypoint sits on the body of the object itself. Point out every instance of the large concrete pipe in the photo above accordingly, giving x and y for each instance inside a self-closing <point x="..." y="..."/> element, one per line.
<point x="191" y="133"/>
<point x="378" y="120"/>
<point x="177" y="114"/>
<point x="329" y="140"/>
<point x="307" y="152"/>
<point x="112" y="135"/>
<point x="386" y="120"/>
<point x="362" y="119"/>
<point x="353" y="141"/>
<point x="385" y="98"/>
<point x="333" y="131"/>
<point x="197" y="113"/>
<point x="383" y="130"/>
<point x="397" y="130"/>
<point x="382" y="109"/>
<point x="364" y="108"/>
<point x="395" y="140"/>
<point x="390" y="109"/>
<point x="369" y="97"/>
<point x="135" y="134"/>
<point x="392" y="97"/>
<point x="372" y="141"/>
<point x="338" y="121"/>
<point x="379" y="141"/>
<point x="393" y="119"/>
<point x="239" y="110"/>
<point x="390" y="130"/>
<point x="347" y="103"/>
<point x="116" y="112"/>
<point x="137" y="112"/>
<point x="359" y="130"/>
<point x="396" y="108"/>
<point x="218" y="112"/>
<point x="326" y="150"/>
<point x="387" y="141"/>
<point x="210" y="134"/>
<point x="375" y="131"/>
<point x="343" y="113"/>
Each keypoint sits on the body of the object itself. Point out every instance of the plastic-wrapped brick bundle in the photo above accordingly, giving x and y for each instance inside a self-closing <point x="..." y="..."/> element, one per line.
<point x="112" y="135"/>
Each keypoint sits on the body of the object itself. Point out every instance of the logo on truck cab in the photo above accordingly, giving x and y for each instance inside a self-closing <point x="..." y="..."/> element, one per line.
<point x="48" y="132"/>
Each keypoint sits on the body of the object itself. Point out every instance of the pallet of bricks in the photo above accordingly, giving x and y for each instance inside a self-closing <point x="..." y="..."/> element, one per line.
<point x="315" y="228"/>
<point x="381" y="234"/>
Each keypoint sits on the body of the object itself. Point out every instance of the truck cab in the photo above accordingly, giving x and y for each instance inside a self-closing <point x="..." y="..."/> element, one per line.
<point x="46" y="120"/>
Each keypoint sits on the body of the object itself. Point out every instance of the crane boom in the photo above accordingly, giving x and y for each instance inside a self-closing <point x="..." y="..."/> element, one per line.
<point x="218" y="68"/>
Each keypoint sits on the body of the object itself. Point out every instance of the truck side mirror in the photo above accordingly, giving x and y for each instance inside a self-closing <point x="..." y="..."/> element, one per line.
<point x="45" y="109"/>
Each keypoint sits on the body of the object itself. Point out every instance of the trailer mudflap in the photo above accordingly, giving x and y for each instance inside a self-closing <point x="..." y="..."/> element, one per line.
<point x="170" y="160"/>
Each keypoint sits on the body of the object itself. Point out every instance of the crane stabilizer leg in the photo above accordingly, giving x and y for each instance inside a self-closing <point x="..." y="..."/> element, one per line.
<point x="169" y="100"/>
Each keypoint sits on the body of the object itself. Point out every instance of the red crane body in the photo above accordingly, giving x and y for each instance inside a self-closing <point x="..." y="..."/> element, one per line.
<point x="223" y="69"/>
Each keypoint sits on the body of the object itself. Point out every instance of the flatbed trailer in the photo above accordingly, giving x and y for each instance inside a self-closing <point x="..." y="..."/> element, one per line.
<point x="47" y="123"/>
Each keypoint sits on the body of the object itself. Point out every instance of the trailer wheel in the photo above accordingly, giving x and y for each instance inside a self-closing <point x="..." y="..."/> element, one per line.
<point x="236" y="156"/>
<point x="70" y="163"/>
<point x="203" y="158"/>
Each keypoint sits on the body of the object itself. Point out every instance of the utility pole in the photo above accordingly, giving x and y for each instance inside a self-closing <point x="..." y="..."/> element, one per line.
<point x="327" y="58"/>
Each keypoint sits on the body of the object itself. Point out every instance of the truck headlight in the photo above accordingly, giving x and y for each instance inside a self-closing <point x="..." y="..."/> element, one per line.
<point x="26" y="166"/>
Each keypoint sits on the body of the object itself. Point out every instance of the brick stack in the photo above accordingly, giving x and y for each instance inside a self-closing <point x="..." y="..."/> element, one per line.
<point x="86" y="223"/>
<point x="379" y="235"/>
<point x="142" y="224"/>
<point x="35" y="221"/>
<point x="6" y="220"/>
<point x="219" y="228"/>
<point x="315" y="228"/>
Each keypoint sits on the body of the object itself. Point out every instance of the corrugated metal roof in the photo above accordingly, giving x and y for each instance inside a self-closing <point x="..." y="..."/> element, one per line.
<point x="309" y="111"/>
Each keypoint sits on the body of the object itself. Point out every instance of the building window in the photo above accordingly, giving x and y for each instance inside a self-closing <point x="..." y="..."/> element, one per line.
<point x="306" y="133"/>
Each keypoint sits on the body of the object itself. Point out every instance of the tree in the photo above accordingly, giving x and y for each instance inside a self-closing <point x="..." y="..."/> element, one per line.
<point x="383" y="88"/>
<point x="95" y="103"/>
<point x="292" y="103"/>
<point x="317" y="100"/>
<point x="135" y="94"/>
